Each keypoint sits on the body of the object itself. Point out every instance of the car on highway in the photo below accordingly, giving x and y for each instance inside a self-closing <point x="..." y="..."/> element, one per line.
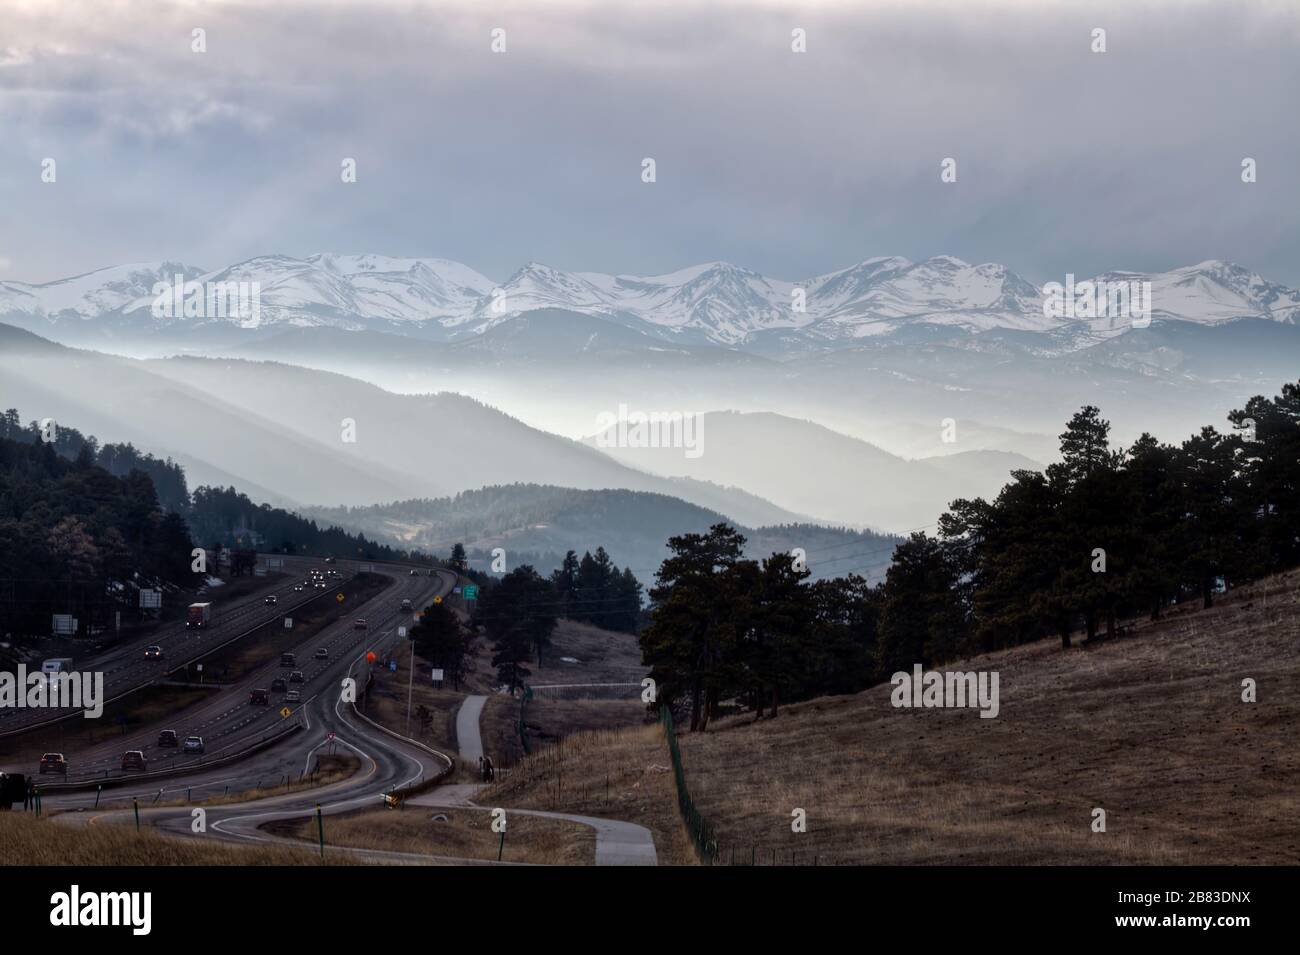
<point x="320" y="585"/>
<point x="414" y="572"/>
<point x="406" y="604"/>
<point x="322" y="653"/>
<point x="134" y="759"/>
<point x="293" y="696"/>
<point x="297" y="677"/>
<point x="297" y="588"/>
<point x="54" y="763"/>
<point x="259" y="698"/>
<point x="153" y="653"/>
<point x="167" y="738"/>
<point x="288" y="659"/>
<point x="278" y="685"/>
<point x="359" y="623"/>
<point x="270" y="600"/>
<point x="194" y="744"/>
<point x="329" y="560"/>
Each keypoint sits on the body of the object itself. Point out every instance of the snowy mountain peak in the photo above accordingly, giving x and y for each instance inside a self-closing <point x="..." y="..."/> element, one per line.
<point x="716" y="302"/>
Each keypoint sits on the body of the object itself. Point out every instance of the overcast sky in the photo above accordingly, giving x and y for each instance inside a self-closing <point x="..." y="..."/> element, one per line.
<point x="790" y="164"/>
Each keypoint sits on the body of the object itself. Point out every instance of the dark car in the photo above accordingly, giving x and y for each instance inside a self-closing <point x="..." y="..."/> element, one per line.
<point x="133" y="759"/>
<point x="167" y="738"/>
<point x="322" y="653"/>
<point x="194" y="744"/>
<point x="297" y="677"/>
<point x="278" y="685"/>
<point x="153" y="653"/>
<point x="270" y="600"/>
<point x="54" y="763"/>
<point x="288" y="660"/>
<point x="259" y="698"/>
<point x="359" y="623"/>
<point x="13" y="788"/>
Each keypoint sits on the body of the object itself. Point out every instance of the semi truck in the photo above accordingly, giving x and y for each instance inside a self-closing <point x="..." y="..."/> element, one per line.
<point x="198" y="616"/>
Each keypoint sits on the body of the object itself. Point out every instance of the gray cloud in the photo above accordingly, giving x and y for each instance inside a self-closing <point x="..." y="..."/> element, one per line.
<point x="789" y="164"/>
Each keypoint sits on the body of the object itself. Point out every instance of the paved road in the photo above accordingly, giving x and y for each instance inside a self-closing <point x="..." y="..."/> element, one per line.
<point x="230" y="723"/>
<point x="126" y="669"/>
<point x="388" y="762"/>
<point x="467" y="730"/>
<point x="617" y="842"/>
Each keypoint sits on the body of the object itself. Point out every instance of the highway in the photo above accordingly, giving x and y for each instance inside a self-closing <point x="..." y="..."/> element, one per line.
<point x="229" y="723"/>
<point x="126" y="668"/>
<point x="388" y="763"/>
<point x="325" y="722"/>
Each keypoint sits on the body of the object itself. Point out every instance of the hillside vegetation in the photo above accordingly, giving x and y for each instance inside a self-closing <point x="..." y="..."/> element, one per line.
<point x="1151" y="728"/>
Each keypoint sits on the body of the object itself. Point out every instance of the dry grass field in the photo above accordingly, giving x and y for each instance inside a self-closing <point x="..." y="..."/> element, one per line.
<point x="623" y="774"/>
<point x="456" y="833"/>
<point x="28" y="841"/>
<point x="1151" y="728"/>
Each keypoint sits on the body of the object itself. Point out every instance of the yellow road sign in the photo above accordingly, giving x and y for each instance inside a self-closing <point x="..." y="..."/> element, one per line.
<point x="285" y="711"/>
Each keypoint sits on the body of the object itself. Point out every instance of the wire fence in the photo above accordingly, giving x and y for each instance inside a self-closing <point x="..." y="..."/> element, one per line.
<point x="705" y="837"/>
<point x="523" y="728"/>
<point x="702" y="834"/>
<point x="586" y="691"/>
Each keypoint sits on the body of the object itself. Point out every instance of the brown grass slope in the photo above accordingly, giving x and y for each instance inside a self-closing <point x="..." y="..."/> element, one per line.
<point x="28" y="841"/>
<point x="1150" y="728"/>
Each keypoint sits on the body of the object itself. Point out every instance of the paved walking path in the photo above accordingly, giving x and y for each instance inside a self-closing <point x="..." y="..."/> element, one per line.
<point x="617" y="842"/>
<point x="467" y="731"/>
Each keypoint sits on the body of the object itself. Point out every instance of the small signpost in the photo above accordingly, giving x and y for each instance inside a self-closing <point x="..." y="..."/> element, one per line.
<point x="286" y="712"/>
<point x="288" y="623"/>
<point x="392" y="666"/>
<point x="150" y="599"/>
<point x="401" y="632"/>
<point x="469" y="591"/>
<point x="437" y="677"/>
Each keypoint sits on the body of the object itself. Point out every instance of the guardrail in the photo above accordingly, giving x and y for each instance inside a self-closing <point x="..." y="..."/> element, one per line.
<point x="108" y="781"/>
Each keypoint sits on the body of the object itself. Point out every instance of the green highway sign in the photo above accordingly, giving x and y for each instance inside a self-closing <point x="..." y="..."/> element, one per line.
<point x="469" y="591"/>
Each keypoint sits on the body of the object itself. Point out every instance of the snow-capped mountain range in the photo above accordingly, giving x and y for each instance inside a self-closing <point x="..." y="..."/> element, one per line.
<point x="715" y="303"/>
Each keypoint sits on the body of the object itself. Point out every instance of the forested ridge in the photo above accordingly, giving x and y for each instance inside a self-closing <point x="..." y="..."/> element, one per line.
<point x="1102" y="536"/>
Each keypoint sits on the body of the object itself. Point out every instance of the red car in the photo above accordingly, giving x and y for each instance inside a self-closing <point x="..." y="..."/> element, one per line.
<point x="54" y="763"/>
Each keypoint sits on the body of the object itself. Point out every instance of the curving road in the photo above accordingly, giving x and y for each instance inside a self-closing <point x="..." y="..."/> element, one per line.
<point x="388" y="761"/>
